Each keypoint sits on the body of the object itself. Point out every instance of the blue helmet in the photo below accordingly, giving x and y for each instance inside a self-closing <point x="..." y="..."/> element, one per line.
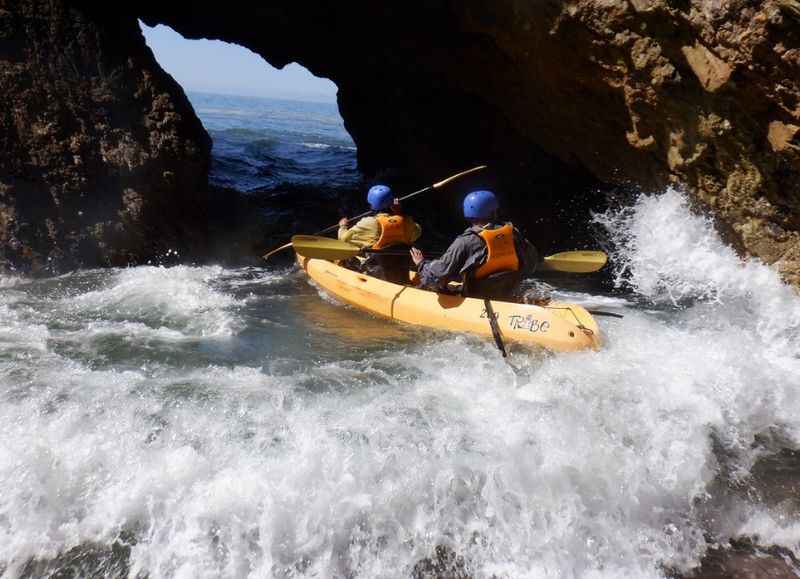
<point x="480" y="205"/>
<point x="379" y="197"/>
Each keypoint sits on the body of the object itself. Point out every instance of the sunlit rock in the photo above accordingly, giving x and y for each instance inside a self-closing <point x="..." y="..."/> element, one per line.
<point x="557" y="96"/>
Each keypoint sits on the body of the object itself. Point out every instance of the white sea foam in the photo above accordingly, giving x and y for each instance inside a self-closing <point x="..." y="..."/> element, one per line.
<point x="665" y="252"/>
<point x="254" y="277"/>
<point x="181" y="296"/>
<point x="588" y="300"/>
<point x="19" y="330"/>
<point x="773" y="528"/>
<point x="9" y="281"/>
<point x="129" y="331"/>
<point x="668" y="254"/>
<point x="326" y="462"/>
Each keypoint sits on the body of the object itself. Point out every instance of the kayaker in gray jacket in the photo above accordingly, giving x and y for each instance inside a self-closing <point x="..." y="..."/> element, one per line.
<point x="490" y="258"/>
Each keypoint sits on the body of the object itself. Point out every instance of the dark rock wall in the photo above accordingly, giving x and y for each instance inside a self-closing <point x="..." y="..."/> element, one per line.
<point x="701" y="93"/>
<point x="102" y="159"/>
<point x="420" y="96"/>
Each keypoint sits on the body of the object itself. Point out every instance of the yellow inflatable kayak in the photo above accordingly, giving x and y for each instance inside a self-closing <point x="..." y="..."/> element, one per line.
<point x="560" y="327"/>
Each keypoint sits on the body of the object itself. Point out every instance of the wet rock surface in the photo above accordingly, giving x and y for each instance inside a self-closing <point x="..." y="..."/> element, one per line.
<point x="743" y="559"/>
<point x="105" y="162"/>
<point x="553" y="94"/>
<point x="102" y="159"/>
<point x="444" y="563"/>
<point x="85" y="561"/>
<point x="740" y="559"/>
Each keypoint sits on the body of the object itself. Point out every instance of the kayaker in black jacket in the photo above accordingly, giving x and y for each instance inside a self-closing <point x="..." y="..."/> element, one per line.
<point x="490" y="257"/>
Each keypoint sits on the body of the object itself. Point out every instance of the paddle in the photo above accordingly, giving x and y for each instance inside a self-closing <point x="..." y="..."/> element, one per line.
<point x="498" y="337"/>
<point x="436" y="185"/>
<point x="317" y="247"/>
<point x="575" y="261"/>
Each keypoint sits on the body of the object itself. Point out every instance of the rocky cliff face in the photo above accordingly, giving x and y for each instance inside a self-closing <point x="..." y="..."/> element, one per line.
<point x="101" y="152"/>
<point x="703" y="94"/>
<point x="102" y="160"/>
<point x="706" y="97"/>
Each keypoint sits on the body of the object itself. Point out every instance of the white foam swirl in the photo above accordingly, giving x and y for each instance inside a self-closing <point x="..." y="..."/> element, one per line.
<point x="320" y="459"/>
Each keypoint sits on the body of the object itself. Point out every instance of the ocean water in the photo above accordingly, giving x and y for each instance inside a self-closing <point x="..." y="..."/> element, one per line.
<point x="237" y="422"/>
<point x="290" y="166"/>
<point x="262" y="144"/>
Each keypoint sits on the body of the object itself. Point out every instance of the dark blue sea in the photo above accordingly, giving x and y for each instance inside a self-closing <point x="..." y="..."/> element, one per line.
<point x="261" y="144"/>
<point x="278" y="167"/>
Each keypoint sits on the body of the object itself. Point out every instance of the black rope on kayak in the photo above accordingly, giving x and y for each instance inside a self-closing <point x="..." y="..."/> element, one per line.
<point x="579" y="324"/>
<point x="498" y="338"/>
<point x="394" y="299"/>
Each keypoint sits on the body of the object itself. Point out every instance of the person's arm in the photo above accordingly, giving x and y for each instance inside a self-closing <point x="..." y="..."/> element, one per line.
<point x="436" y="273"/>
<point x="364" y="233"/>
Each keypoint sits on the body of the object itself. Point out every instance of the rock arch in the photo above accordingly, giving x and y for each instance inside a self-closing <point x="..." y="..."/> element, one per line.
<point x="554" y="94"/>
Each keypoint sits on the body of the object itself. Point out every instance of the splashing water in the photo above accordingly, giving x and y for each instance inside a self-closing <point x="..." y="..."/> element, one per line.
<point x="230" y="422"/>
<point x="669" y="255"/>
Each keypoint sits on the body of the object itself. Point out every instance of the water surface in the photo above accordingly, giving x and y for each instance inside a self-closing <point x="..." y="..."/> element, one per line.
<point x="237" y="422"/>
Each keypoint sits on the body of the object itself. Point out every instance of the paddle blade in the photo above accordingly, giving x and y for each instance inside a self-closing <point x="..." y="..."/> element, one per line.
<point x="316" y="247"/>
<point x="575" y="261"/>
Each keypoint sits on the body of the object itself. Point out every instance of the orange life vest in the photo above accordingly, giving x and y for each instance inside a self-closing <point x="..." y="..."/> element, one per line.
<point x="395" y="230"/>
<point x="501" y="253"/>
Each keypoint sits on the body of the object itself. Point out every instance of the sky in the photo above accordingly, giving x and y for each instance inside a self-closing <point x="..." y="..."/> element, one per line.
<point x="220" y="67"/>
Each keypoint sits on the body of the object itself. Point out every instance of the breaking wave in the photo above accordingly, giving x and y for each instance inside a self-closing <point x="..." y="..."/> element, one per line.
<point x="229" y="422"/>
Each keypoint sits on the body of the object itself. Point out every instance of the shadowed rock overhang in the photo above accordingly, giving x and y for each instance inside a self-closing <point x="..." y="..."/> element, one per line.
<point x="555" y="95"/>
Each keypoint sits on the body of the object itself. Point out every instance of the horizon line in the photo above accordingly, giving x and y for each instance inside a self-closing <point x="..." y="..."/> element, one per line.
<point x="312" y="99"/>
